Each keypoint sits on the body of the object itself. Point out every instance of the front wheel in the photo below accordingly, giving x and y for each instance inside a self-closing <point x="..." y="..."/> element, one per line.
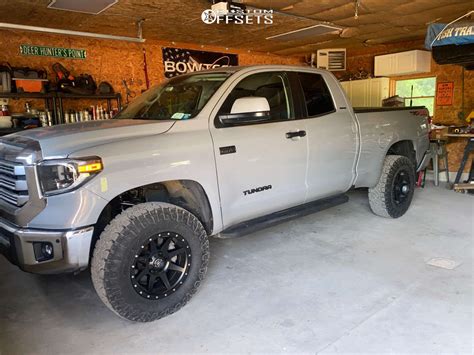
<point x="149" y="261"/>
<point x="392" y="195"/>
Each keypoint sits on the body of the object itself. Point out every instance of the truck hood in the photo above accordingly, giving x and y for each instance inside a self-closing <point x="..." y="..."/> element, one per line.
<point x="62" y="140"/>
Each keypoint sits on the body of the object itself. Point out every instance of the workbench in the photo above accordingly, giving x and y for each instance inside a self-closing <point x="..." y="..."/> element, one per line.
<point x="467" y="150"/>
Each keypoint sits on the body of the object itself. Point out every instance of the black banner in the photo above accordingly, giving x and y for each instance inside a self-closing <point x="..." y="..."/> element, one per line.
<point x="178" y="61"/>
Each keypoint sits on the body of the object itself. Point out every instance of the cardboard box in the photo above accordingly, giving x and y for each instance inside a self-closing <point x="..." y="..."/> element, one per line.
<point x="439" y="134"/>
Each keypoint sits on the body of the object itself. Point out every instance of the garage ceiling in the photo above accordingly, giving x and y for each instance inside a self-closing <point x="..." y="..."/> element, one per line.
<point x="378" y="22"/>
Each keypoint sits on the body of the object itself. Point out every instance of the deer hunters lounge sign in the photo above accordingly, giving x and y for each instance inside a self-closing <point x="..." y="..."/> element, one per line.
<point x="56" y="52"/>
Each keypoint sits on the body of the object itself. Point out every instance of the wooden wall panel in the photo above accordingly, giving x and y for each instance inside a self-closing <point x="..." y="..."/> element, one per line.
<point x="112" y="61"/>
<point x="378" y="21"/>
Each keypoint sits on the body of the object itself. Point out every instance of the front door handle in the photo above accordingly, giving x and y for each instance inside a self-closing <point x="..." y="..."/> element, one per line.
<point x="290" y="135"/>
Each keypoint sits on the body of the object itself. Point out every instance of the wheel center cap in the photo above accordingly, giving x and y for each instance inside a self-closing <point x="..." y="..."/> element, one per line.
<point x="405" y="189"/>
<point x="156" y="262"/>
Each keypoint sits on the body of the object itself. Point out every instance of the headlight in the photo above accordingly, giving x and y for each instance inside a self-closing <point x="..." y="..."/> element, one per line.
<point x="59" y="176"/>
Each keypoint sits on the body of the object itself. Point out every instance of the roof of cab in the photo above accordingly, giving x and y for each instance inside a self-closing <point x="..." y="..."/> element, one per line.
<point x="235" y="69"/>
<point x="261" y="66"/>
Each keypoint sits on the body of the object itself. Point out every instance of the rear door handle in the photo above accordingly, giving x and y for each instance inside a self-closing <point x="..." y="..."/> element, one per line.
<point x="295" y="134"/>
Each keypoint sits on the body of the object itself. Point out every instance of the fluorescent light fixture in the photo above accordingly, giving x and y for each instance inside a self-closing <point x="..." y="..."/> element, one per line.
<point x="93" y="7"/>
<point x="302" y="33"/>
<point x="13" y="26"/>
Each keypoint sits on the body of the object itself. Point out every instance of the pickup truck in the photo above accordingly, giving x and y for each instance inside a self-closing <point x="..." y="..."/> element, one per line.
<point x="213" y="153"/>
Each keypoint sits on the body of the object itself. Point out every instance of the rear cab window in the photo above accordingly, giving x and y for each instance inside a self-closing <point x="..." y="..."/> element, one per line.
<point x="317" y="97"/>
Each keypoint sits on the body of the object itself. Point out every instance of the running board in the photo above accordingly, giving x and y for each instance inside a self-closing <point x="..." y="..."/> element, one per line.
<point x="273" y="219"/>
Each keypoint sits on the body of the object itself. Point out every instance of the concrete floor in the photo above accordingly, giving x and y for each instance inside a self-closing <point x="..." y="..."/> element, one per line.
<point x="342" y="280"/>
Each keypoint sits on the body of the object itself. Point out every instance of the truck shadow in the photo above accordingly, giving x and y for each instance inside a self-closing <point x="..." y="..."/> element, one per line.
<point x="71" y="299"/>
<point x="74" y="298"/>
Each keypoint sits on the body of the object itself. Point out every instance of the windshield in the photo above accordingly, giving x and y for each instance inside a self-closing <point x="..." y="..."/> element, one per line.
<point x="180" y="98"/>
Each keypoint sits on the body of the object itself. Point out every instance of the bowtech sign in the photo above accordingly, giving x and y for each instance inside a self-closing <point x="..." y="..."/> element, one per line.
<point x="178" y="61"/>
<point x="55" y="52"/>
<point x="238" y="17"/>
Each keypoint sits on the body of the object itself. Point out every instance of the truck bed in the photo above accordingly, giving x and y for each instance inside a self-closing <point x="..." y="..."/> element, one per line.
<point x="379" y="127"/>
<point x="385" y="109"/>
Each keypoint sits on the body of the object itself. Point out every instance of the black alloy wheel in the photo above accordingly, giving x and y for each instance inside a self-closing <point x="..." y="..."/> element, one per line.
<point x="401" y="186"/>
<point x="161" y="265"/>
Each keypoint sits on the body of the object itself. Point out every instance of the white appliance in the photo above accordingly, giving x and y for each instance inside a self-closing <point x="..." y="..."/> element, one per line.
<point x="333" y="59"/>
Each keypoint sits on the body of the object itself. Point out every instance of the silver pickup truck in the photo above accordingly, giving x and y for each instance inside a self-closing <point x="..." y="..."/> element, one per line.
<point x="216" y="153"/>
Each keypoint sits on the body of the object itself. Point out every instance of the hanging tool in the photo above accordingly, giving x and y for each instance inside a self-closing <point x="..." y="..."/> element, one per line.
<point x="145" y="69"/>
<point x="128" y="93"/>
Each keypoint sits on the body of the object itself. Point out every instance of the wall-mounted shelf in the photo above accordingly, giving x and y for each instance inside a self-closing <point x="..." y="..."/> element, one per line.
<point x="49" y="100"/>
<point x="26" y="95"/>
<point x="54" y="100"/>
<point x="65" y="96"/>
<point x="87" y="97"/>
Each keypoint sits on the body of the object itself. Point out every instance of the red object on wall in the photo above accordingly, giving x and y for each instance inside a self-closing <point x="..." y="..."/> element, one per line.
<point x="444" y="94"/>
<point x="29" y="85"/>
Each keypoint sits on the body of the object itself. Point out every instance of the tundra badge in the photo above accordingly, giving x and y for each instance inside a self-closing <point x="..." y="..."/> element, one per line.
<point x="257" y="189"/>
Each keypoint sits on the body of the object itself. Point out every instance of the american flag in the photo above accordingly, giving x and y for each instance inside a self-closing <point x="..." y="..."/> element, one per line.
<point x="175" y="55"/>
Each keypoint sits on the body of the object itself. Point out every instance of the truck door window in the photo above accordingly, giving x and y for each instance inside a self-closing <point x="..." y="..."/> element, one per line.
<point x="273" y="86"/>
<point x="317" y="97"/>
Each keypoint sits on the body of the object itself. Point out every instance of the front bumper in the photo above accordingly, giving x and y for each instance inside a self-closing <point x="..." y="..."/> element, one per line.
<point x="71" y="248"/>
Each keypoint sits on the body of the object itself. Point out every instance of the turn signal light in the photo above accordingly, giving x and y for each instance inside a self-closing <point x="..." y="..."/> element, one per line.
<point x="90" y="167"/>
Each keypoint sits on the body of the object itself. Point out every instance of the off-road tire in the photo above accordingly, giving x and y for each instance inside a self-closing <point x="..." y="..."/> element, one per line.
<point x="381" y="197"/>
<point x="117" y="246"/>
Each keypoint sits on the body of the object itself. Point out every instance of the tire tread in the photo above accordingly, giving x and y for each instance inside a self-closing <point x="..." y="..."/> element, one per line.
<point x="112" y="239"/>
<point x="379" y="195"/>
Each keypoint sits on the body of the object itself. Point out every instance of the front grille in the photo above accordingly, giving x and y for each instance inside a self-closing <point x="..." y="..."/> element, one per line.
<point x="13" y="186"/>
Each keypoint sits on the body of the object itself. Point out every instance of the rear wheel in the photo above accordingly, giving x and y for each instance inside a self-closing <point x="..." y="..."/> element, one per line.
<point x="149" y="261"/>
<point x="392" y="195"/>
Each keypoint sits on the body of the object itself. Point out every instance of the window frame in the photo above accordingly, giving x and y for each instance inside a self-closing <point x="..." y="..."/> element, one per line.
<point x="301" y="96"/>
<point x="294" y="100"/>
<point x="394" y="92"/>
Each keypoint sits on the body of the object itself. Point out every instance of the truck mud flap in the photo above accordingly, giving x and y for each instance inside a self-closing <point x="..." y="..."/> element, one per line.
<point x="273" y="219"/>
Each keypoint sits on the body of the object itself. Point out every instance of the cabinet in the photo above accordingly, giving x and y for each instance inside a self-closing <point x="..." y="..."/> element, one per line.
<point x="367" y="92"/>
<point x="403" y="63"/>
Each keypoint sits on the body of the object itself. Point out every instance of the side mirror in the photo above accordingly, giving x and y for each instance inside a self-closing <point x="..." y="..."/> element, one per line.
<point x="247" y="110"/>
